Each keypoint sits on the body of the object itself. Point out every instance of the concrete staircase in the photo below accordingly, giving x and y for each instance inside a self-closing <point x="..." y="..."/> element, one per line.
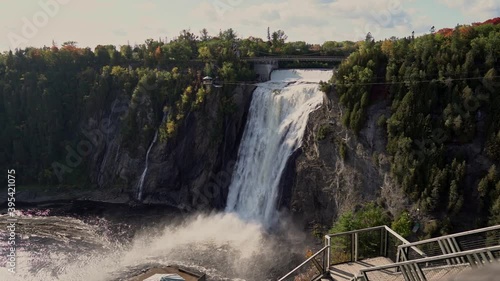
<point x="380" y="254"/>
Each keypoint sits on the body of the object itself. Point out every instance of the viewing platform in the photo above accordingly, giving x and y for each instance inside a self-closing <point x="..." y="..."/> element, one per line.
<point x="380" y="254"/>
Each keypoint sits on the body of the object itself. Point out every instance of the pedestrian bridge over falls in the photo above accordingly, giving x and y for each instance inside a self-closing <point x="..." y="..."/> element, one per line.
<point x="380" y="254"/>
<point x="277" y="59"/>
<point x="263" y="66"/>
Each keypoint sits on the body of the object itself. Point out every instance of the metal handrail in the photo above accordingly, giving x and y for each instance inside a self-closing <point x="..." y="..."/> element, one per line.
<point x="447" y="244"/>
<point x="327" y="247"/>
<point x="304" y="263"/>
<point x="460" y="256"/>
<point x="395" y="234"/>
<point x="431" y="259"/>
<point x="455" y="235"/>
<point x="388" y="229"/>
<point x="358" y="231"/>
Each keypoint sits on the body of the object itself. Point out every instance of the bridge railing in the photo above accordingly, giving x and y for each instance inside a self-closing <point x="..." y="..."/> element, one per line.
<point x="433" y="268"/>
<point x="454" y="243"/>
<point x="294" y="58"/>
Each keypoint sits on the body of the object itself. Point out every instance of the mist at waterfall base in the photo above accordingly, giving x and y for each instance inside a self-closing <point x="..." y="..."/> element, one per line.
<point x="233" y="245"/>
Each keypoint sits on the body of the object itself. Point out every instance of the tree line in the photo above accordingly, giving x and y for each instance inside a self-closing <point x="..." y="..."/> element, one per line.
<point x="442" y="91"/>
<point x="48" y="93"/>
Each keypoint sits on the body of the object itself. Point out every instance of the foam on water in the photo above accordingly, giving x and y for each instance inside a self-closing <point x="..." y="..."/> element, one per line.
<point x="223" y="246"/>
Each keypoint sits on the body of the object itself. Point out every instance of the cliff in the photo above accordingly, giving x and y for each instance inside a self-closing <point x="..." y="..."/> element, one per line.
<point x="337" y="170"/>
<point x="204" y="147"/>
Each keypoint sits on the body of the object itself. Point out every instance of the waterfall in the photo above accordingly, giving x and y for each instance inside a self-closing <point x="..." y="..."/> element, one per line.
<point x="276" y="124"/>
<point x="140" y="184"/>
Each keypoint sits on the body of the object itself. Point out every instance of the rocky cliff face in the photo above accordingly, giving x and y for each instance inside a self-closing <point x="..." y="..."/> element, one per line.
<point x="202" y="153"/>
<point x="333" y="172"/>
<point x="337" y="170"/>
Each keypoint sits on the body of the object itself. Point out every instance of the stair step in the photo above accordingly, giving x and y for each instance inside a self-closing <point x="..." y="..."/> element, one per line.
<point x="340" y="275"/>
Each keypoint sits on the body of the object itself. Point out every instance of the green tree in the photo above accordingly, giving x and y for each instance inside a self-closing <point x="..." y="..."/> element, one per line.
<point x="278" y="39"/>
<point x="403" y="224"/>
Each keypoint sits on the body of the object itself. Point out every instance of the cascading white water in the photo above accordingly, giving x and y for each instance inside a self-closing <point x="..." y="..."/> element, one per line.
<point x="277" y="120"/>
<point x="140" y="184"/>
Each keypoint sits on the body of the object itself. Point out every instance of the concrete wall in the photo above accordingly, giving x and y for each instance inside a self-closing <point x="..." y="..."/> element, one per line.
<point x="264" y="70"/>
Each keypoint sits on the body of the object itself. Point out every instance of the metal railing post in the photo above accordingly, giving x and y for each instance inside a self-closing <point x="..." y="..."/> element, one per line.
<point x="404" y="272"/>
<point x="326" y="262"/>
<point x="353" y="249"/>
<point x="444" y="251"/>
<point x="356" y="246"/>
<point x="420" y="273"/>
<point x="386" y="243"/>
<point x="382" y="242"/>
<point x="324" y="265"/>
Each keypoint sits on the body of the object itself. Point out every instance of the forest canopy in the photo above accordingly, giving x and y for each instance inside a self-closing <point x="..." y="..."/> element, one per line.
<point x="443" y="110"/>
<point x="47" y="94"/>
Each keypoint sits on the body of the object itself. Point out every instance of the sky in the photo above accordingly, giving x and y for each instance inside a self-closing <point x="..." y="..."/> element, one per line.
<point x="92" y="22"/>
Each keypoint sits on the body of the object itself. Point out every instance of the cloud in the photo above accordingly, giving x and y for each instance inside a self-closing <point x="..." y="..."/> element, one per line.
<point x="146" y="6"/>
<point x="478" y="10"/>
<point x="120" y="32"/>
<point x="205" y="11"/>
<point x="270" y="15"/>
<point x="329" y="19"/>
<point x="314" y="21"/>
<point x="422" y="24"/>
<point x="325" y="1"/>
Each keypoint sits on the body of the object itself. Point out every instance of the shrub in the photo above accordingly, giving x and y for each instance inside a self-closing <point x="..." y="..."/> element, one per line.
<point x="382" y="121"/>
<point x="323" y="132"/>
<point x="343" y="150"/>
<point x="369" y="215"/>
<point x="403" y="224"/>
<point x="171" y="128"/>
<point x="430" y="228"/>
<point x="325" y="87"/>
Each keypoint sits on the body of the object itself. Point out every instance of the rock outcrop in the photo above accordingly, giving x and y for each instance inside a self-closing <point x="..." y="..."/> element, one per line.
<point x="337" y="170"/>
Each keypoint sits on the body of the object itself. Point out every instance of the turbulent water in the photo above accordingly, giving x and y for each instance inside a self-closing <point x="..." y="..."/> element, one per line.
<point x="220" y="245"/>
<point x="274" y="130"/>
<point x="235" y="245"/>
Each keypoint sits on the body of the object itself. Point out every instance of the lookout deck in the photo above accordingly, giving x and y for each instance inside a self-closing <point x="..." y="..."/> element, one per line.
<point x="380" y="254"/>
<point x="349" y="270"/>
